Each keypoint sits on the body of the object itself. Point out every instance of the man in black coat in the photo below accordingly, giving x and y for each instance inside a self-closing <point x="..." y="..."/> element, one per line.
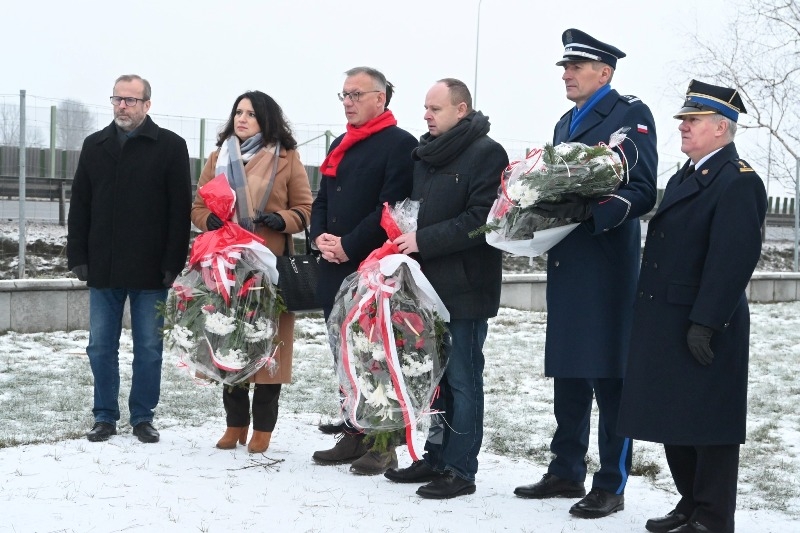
<point x="128" y="236"/>
<point x="591" y="281"/>
<point x="686" y="381"/>
<point x="366" y="166"/>
<point x="456" y="175"/>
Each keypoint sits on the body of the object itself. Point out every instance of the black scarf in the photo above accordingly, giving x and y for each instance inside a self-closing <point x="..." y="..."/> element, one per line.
<point x="446" y="147"/>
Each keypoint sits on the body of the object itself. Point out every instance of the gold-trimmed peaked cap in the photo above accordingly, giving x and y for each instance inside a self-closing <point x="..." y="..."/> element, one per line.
<point x="580" y="46"/>
<point x="706" y="99"/>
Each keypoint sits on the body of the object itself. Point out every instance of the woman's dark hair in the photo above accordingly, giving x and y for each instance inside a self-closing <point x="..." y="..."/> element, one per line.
<point x="270" y="118"/>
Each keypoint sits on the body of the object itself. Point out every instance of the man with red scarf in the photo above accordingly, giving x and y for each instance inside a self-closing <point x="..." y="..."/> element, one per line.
<point x="366" y="166"/>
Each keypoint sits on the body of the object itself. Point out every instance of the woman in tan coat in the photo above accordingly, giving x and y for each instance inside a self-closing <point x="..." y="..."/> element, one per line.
<point x="256" y="130"/>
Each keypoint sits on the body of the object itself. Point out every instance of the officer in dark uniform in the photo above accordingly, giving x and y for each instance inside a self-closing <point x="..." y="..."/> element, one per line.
<point x="686" y="382"/>
<point x="591" y="283"/>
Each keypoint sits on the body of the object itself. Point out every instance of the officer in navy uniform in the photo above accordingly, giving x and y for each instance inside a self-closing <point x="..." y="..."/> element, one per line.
<point x="591" y="284"/>
<point x="686" y="382"/>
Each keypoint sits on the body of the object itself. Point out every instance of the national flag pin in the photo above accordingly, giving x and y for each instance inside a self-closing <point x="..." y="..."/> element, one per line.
<point x="641" y="128"/>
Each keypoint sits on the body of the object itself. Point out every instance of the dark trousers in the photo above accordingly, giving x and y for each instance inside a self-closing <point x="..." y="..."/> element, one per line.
<point x="706" y="478"/>
<point x="572" y="405"/>
<point x="236" y="401"/>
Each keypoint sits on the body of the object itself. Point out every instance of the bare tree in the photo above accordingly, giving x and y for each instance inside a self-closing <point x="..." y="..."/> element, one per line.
<point x="761" y="58"/>
<point x="73" y="123"/>
<point x="9" y="128"/>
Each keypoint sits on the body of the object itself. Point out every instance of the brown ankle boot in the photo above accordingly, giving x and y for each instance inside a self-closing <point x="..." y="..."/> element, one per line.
<point x="259" y="442"/>
<point x="232" y="434"/>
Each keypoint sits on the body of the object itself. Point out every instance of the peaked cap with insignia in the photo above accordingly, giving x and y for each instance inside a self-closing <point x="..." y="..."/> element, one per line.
<point x="580" y="46"/>
<point x="706" y="99"/>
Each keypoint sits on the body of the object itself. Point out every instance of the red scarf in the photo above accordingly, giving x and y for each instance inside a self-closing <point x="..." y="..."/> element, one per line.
<point x="352" y="136"/>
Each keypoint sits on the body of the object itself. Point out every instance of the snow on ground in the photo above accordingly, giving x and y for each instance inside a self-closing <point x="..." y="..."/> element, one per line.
<point x="55" y="480"/>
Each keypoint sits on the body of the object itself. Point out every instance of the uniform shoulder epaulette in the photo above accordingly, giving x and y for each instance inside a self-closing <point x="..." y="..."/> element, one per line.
<point x="744" y="166"/>
<point x="630" y="98"/>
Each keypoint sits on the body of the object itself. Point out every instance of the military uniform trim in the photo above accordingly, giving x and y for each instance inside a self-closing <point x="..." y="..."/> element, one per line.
<point x="744" y="166"/>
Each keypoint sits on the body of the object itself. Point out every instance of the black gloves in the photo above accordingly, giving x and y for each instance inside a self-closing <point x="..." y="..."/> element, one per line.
<point x="213" y="222"/>
<point x="169" y="278"/>
<point x="572" y="206"/>
<point x="699" y="341"/>
<point x="81" y="272"/>
<point x="272" y="220"/>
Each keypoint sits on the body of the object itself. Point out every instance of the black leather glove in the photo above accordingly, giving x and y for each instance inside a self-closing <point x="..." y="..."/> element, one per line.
<point x="272" y="220"/>
<point x="572" y="206"/>
<point x="81" y="272"/>
<point x="169" y="278"/>
<point x="699" y="341"/>
<point x="213" y="222"/>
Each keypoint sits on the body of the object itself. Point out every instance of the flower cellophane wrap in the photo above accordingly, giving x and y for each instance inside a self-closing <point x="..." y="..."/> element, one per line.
<point x="388" y="332"/>
<point x="221" y="315"/>
<point x="551" y="174"/>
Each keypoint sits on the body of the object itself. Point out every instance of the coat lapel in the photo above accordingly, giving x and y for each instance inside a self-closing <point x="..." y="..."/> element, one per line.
<point x="596" y="116"/>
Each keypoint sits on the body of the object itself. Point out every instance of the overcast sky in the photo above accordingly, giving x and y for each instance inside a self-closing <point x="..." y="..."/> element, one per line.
<point x="199" y="55"/>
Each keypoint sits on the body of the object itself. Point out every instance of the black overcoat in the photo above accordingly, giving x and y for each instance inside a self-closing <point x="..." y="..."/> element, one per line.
<point x="591" y="274"/>
<point x="373" y="171"/>
<point x="702" y="246"/>
<point x="455" y="199"/>
<point x="129" y="208"/>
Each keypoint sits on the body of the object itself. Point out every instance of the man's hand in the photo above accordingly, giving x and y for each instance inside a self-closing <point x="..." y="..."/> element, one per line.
<point x="699" y="341"/>
<point x="81" y="272"/>
<point x="271" y="220"/>
<point x="169" y="278"/>
<point x="213" y="222"/>
<point x="330" y="246"/>
<point x="572" y="206"/>
<point x="407" y="243"/>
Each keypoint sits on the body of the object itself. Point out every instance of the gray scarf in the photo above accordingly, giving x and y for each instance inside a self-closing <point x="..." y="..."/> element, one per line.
<point x="230" y="162"/>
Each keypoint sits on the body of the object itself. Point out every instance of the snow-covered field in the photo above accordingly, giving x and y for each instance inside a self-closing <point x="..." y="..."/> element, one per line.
<point x="55" y="480"/>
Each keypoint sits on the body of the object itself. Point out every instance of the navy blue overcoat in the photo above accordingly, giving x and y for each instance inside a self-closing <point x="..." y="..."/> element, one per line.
<point x="591" y="274"/>
<point x="702" y="246"/>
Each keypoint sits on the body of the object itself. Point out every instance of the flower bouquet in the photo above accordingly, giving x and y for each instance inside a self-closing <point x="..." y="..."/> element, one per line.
<point x="551" y="174"/>
<point x="221" y="316"/>
<point x="388" y="332"/>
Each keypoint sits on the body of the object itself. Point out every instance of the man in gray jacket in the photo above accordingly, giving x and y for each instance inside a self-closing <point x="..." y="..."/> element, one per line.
<point x="456" y="175"/>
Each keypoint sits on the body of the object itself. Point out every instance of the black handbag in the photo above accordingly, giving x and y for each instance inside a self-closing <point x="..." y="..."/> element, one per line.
<point x="297" y="275"/>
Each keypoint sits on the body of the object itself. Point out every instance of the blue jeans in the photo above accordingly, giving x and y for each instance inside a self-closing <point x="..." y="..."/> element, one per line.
<point x="461" y="399"/>
<point x="105" y="326"/>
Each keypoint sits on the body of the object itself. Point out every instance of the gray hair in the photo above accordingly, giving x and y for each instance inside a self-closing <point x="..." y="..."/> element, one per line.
<point x="731" y="131"/>
<point x="376" y="75"/>
<point x="132" y="77"/>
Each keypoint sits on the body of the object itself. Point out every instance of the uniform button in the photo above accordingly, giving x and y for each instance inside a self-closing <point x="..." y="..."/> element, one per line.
<point x="662" y="235"/>
<point x="655" y="265"/>
<point x="651" y="297"/>
<point x="644" y="263"/>
<point x="421" y="199"/>
<point x="652" y="232"/>
<point x="431" y="170"/>
<point x="339" y="188"/>
<point x="641" y="294"/>
<point x="333" y="219"/>
<point x="556" y="263"/>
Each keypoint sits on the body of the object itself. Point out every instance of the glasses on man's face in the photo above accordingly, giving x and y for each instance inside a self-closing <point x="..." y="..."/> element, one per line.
<point x="353" y="95"/>
<point x="130" y="101"/>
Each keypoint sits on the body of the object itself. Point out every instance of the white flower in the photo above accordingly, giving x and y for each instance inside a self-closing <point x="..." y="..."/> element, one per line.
<point x="360" y="342"/>
<point x="220" y="324"/>
<point x="379" y="398"/>
<point x="234" y="358"/>
<point x="521" y="193"/>
<point x="262" y="330"/>
<point x="182" y="336"/>
<point x="378" y="352"/>
<point x="413" y="368"/>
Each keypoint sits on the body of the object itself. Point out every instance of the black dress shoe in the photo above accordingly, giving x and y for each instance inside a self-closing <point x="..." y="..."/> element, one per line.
<point x="146" y="432"/>
<point x="665" y="524"/>
<point x="597" y="504"/>
<point x="418" y="472"/>
<point x="332" y="428"/>
<point x="447" y="486"/>
<point x="691" y="527"/>
<point x="100" y="432"/>
<point x="551" y="486"/>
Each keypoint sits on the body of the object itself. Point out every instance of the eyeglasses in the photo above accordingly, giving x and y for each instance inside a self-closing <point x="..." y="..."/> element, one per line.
<point x="353" y="95"/>
<point x="130" y="101"/>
